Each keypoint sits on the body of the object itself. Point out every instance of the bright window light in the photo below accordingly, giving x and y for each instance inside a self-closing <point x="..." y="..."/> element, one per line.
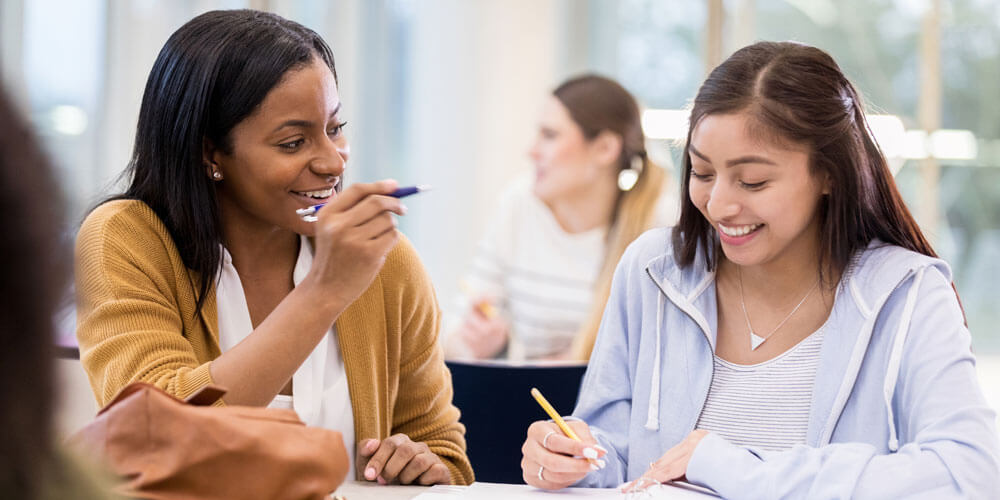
<point x="68" y="120"/>
<point x="953" y="144"/>
<point x="670" y="124"/>
<point x="889" y="133"/>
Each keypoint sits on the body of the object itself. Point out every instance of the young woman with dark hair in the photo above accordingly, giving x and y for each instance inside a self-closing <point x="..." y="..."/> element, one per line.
<point x="545" y="263"/>
<point x="202" y="272"/>
<point x="795" y="335"/>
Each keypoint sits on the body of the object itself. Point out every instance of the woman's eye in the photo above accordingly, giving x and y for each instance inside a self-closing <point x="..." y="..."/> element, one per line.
<point x="291" y="145"/>
<point x="336" y="131"/>
<point x="753" y="185"/>
<point x="701" y="177"/>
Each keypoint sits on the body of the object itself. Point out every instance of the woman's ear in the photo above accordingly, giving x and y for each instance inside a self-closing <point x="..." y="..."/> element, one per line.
<point x="607" y="147"/>
<point x="208" y="158"/>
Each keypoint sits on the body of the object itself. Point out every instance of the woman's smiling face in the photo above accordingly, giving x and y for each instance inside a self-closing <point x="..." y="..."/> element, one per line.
<point x="290" y="153"/>
<point x="760" y="196"/>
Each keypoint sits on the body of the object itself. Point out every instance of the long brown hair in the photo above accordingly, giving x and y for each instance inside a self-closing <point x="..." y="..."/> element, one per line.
<point x="34" y="266"/>
<point x="797" y="93"/>
<point x="599" y="104"/>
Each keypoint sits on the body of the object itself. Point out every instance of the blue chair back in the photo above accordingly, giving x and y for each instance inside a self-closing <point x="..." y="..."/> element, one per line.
<point x="497" y="409"/>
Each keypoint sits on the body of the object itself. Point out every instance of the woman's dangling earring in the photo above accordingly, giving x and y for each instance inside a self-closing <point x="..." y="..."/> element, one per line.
<point x="629" y="176"/>
<point x="217" y="175"/>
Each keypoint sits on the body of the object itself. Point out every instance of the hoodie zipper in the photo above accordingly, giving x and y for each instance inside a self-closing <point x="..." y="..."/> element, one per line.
<point x="686" y="309"/>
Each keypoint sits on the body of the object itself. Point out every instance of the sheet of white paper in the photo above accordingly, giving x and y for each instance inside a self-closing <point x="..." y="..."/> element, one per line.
<point x="494" y="491"/>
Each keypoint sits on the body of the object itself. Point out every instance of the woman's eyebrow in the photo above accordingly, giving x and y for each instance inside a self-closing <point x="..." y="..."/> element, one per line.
<point x="697" y="153"/>
<point x="750" y="159"/>
<point x="303" y="123"/>
<point x="735" y="161"/>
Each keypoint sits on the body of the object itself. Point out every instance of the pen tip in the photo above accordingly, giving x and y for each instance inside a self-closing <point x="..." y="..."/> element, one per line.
<point x="424" y="187"/>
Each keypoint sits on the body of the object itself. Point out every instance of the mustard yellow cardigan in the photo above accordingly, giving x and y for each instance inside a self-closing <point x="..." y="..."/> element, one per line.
<point x="136" y="321"/>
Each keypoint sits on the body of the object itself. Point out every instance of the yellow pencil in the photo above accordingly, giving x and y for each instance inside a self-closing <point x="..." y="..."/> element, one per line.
<point x="555" y="417"/>
<point x="484" y="306"/>
<point x="554" y="414"/>
<point x="487" y="309"/>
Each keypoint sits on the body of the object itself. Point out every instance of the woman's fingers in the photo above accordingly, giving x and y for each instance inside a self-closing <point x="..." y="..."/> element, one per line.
<point x="376" y="226"/>
<point x="553" y="439"/>
<point x="420" y="463"/>
<point x="437" y="474"/>
<point x="550" y="463"/>
<point x="404" y="452"/>
<point x="387" y="447"/>
<point x="370" y="207"/>
<point x="366" y="448"/>
<point x="401" y="460"/>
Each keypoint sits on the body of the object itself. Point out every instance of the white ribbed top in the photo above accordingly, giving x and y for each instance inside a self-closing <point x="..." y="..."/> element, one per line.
<point x="766" y="405"/>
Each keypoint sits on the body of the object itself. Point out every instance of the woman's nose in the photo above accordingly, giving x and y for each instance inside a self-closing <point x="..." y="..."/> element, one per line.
<point x="534" y="152"/>
<point x="333" y="160"/>
<point x="723" y="203"/>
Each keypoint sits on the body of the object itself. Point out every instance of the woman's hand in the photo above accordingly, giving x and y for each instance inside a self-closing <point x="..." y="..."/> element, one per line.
<point x="354" y="233"/>
<point x="397" y="459"/>
<point x="552" y="461"/>
<point x="672" y="465"/>
<point x="484" y="334"/>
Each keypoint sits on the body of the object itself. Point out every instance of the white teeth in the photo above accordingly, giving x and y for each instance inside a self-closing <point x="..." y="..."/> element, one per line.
<point x="325" y="193"/>
<point x="738" y="230"/>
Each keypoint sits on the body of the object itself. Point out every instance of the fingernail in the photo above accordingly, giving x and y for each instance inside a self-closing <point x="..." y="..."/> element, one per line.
<point x="602" y="464"/>
<point x="601" y="448"/>
<point x="594" y="467"/>
<point x="402" y="208"/>
<point x="370" y="473"/>
<point x="380" y="480"/>
<point x="590" y="452"/>
<point x="371" y="445"/>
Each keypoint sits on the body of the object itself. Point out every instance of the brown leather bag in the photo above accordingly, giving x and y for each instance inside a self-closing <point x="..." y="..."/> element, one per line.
<point x="166" y="449"/>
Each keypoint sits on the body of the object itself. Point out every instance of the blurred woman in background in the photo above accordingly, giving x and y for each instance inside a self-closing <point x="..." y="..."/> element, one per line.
<point x="543" y="270"/>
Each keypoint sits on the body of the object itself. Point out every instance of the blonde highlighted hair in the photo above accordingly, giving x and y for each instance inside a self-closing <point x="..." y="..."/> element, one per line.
<point x="600" y="104"/>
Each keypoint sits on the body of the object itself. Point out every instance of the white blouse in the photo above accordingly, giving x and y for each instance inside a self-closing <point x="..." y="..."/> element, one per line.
<point x="320" y="395"/>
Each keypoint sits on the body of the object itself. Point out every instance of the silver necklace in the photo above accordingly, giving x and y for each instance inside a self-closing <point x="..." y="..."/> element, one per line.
<point x="757" y="340"/>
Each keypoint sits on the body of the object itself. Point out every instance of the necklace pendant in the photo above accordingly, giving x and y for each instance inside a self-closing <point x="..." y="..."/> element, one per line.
<point x="755" y="341"/>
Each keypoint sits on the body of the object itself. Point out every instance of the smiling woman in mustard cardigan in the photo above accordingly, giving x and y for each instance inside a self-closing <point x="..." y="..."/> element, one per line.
<point x="202" y="272"/>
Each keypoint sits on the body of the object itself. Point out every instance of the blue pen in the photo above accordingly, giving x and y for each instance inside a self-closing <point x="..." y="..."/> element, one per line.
<point x="309" y="214"/>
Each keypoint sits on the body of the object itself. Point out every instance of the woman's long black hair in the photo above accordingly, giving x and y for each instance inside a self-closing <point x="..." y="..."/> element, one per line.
<point x="211" y="74"/>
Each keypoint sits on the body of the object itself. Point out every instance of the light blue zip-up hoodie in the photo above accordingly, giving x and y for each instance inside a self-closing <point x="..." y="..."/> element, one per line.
<point x="896" y="408"/>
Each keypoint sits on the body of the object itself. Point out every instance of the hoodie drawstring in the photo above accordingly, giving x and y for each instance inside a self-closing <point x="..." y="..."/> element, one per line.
<point x="896" y="356"/>
<point x="653" y="415"/>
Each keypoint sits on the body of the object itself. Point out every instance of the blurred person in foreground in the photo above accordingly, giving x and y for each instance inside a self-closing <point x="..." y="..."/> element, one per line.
<point x="33" y="274"/>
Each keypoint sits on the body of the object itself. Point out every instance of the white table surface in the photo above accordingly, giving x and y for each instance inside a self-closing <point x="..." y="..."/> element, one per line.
<point x="362" y="490"/>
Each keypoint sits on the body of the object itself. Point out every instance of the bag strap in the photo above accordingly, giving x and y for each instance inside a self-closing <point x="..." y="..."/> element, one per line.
<point x="205" y="396"/>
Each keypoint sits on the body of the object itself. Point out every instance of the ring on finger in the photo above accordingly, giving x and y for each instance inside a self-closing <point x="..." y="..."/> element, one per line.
<point x="545" y="439"/>
<point x="540" y="469"/>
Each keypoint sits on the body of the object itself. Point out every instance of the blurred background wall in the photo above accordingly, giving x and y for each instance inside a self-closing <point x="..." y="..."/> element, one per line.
<point x="445" y="92"/>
